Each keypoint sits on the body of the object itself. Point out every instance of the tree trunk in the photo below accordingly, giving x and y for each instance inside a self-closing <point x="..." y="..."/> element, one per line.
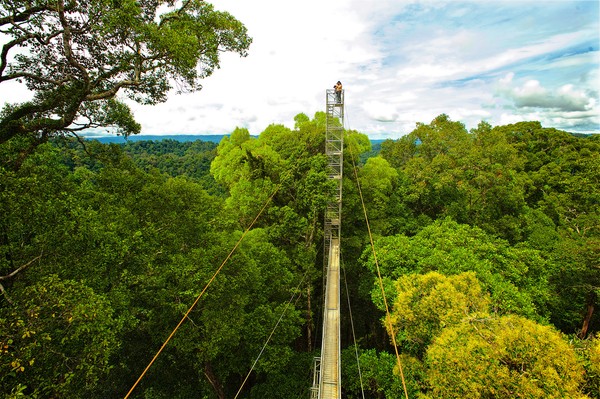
<point x="588" y="316"/>
<point x="309" y="324"/>
<point x="214" y="380"/>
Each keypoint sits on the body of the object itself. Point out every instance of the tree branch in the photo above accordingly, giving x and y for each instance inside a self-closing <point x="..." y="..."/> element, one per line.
<point x="6" y="48"/>
<point x="32" y="77"/>
<point x="67" y="42"/>
<point x="23" y="16"/>
<point x="14" y="272"/>
<point x="3" y="291"/>
<point x="110" y="93"/>
<point x="82" y="142"/>
<point x="20" y="268"/>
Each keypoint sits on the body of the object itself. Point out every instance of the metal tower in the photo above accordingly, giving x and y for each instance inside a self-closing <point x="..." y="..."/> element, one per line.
<point x="334" y="146"/>
<point x="327" y="368"/>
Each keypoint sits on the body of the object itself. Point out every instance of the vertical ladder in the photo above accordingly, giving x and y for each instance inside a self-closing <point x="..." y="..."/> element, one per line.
<point x="327" y="372"/>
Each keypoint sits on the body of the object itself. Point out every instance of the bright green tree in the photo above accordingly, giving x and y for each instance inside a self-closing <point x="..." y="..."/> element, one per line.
<point x="428" y="303"/>
<point x="286" y="170"/>
<point x="378" y="181"/>
<point x="515" y="278"/>
<point x="503" y="357"/>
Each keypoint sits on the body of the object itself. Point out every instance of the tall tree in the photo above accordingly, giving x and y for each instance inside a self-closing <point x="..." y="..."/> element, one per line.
<point x="564" y="184"/>
<point x="428" y="303"/>
<point x="76" y="56"/>
<point x="515" y="277"/>
<point x="473" y="177"/>
<point x="291" y="164"/>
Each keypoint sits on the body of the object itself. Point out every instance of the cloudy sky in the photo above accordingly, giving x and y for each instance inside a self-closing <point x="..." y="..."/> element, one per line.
<point x="401" y="62"/>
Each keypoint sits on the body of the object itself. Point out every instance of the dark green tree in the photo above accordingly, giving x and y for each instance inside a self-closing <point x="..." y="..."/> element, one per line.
<point x="56" y="340"/>
<point x="380" y="375"/>
<point x="515" y="278"/>
<point x="564" y="191"/>
<point x="474" y="177"/>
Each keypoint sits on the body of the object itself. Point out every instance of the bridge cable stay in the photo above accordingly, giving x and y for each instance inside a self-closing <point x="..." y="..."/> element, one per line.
<point x="388" y="318"/>
<point x="296" y="291"/>
<point x="362" y="389"/>
<point x="187" y="313"/>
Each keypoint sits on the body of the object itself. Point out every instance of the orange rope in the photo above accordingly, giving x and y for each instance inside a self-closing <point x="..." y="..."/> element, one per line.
<point x="297" y="290"/>
<point x="202" y="293"/>
<point x="387" y="310"/>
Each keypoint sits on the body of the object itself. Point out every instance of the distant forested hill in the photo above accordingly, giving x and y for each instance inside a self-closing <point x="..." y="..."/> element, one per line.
<point x="153" y="144"/>
<point x="191" y="159"/>
<point x="214" y="138"/>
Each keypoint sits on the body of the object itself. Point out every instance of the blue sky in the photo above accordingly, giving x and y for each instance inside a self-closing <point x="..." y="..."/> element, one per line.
<point x="401" y="62"/>
<point x="496" y="61"/>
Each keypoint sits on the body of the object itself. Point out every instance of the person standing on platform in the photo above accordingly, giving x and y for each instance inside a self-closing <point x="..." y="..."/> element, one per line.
<point x="338" y="91"/>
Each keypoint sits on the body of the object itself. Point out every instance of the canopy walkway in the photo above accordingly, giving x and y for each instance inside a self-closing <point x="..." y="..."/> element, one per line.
<point x="327" y="368"/>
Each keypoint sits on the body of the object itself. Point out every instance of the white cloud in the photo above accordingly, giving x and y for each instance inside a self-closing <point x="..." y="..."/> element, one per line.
<point x="532" y="94"/>
<point x="507" y="119"/>
<point x="460" y="114"/>
<point x="566" y="107"/>
<point x="379" y="111"/>
<point x="506" y="80"/>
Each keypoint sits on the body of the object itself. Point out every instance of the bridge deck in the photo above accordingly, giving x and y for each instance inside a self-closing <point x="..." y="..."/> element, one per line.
<point x="330" y="352"/>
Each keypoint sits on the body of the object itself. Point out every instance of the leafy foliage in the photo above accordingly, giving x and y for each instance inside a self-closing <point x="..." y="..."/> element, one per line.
<point x="486" y="247"/>
<point x="80" y="55"/>
<point x="380" y="374"/>
<point x="589" y="353"/>
<point x="427" y="303"/>
<point x="502" y="357"/>
<point x="516" y="278"/>
<point x="57" y="340"/>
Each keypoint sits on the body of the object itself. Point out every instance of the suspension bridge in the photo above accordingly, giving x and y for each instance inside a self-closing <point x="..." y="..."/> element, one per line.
<point x="326" y="380"/>
<point x="327" y="368"/>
